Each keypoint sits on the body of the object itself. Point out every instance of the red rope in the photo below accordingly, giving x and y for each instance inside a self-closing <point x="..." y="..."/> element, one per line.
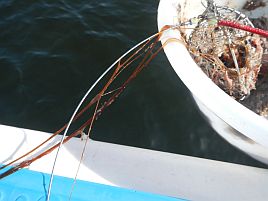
<point x="243" y="27"/>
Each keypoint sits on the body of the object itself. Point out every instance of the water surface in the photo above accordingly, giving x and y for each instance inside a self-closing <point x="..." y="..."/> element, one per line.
<point x="52" y="51"/>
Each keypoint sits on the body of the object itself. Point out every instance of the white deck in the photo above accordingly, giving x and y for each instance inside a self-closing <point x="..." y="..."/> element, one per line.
<point x="134" y="168"/>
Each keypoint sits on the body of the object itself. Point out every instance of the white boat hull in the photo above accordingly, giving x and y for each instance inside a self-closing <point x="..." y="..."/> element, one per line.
<point x="141" y="169"/>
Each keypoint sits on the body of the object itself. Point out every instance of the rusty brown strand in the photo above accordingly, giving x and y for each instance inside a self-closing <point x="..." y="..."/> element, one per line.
<point x="142" y="64"/>
<point x="94" y="100"/>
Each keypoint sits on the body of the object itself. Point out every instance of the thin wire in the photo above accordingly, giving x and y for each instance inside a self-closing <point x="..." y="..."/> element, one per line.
<point x="84" y="148"/>
<point x="81" y="102"/>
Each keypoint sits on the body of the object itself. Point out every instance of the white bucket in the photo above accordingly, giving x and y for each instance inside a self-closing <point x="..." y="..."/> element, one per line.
<point x="238" y="125"/>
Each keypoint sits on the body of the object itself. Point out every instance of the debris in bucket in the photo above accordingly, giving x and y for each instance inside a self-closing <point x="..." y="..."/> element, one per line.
<point x="230" y="57"/>
<point x="258" y="99"/>
<point x="235" y="60"/>
<point x="253" y="4"/>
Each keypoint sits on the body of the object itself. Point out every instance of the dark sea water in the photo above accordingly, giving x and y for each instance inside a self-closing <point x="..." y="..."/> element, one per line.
<point x="52" y="51"/>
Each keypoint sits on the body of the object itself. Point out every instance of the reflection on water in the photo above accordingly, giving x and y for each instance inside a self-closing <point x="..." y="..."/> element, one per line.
<point x="52" y="51"/>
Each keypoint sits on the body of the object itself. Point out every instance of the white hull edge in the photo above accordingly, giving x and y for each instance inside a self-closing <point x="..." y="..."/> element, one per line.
<point x="141" y="169"/>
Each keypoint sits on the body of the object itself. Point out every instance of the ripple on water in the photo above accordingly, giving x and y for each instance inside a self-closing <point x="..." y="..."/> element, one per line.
<point x="51" y="51"/>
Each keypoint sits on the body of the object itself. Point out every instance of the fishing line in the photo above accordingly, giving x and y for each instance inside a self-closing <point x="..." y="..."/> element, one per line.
<point x="84" y="148"/>
<point x="246" y="27"/>
<point x="81" y="102"/>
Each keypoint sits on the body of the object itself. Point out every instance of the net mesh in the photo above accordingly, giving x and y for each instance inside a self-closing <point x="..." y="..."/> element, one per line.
<point x="230" y="57"/>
